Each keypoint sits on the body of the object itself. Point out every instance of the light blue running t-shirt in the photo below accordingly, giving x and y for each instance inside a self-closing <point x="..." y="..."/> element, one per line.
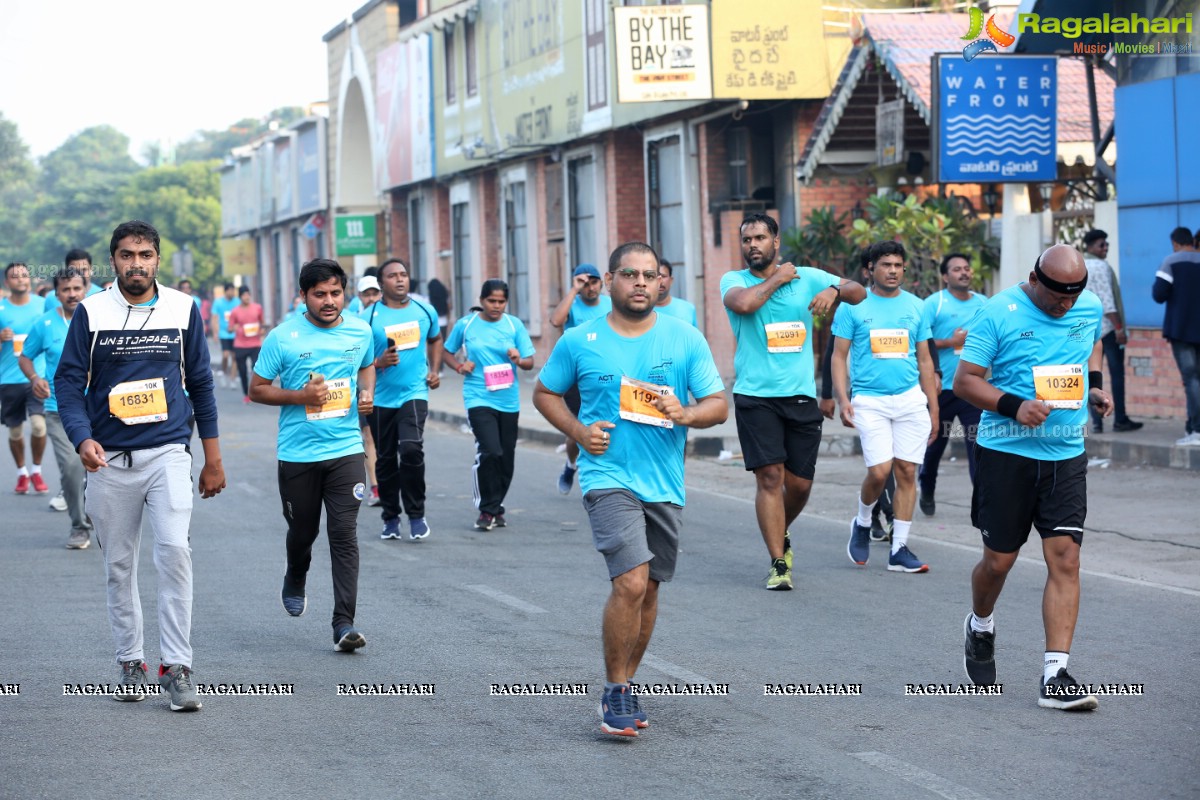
<point x="944" y="314"/>
<point x="297" y="348"/>
<point x="44" y="344"/>
<point x="783" y="366"/>
<point x="680" y="309"/>
<point x="493" y="382"/>
<point x="1025" y="346"/>
<point x="642" y="457"/>
<point x="411" y="328"/>
<point x="21" y="320"/>
<point x="883" y="334"/>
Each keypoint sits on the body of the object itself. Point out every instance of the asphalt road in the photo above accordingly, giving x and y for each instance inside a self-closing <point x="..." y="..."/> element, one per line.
<point x="464" y="609"/>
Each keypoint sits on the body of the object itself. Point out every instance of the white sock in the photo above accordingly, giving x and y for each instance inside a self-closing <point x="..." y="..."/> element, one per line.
<point x="570" y="463"/>
<point x="36" y="469"/>
<point x="1055" y="661"/>
<point x="900" y="534"/>
<point x="22" y="472"/>
<point x="864" y="511"/>
<point x="982" y="624"/>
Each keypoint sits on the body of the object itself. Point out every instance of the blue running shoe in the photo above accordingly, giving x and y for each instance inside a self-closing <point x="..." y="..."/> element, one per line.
<point x="346" y="639"/>
<point x="859" y="546"/>
<point x="566" y="480"/>
<point x="417" y="529"/>
<point x="904" y="560"/>
<point x="294" y="600"/>
<point x="616" y="712"/>
<point x="643" y="721"/>
<point x="391" y="529"/>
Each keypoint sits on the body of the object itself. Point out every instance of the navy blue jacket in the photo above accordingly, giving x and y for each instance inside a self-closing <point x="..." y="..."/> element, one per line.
<point x="110" y="342"/>
<point x="1177" y="283"/>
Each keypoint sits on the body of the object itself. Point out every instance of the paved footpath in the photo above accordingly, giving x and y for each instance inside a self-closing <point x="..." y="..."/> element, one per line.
<point x="464" y="610"/>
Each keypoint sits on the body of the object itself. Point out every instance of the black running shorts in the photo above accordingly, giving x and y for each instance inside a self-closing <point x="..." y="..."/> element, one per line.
<point x="779" y="430"/>
<point x="1015" y="493"/>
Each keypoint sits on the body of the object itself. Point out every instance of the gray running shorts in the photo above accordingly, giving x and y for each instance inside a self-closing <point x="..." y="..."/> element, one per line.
<point x="630" y="532"/>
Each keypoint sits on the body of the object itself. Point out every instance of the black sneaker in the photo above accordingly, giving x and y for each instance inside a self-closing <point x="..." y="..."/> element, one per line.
<point x="294" y="599"/>
<point x="485" y="522"/>
<point x="979" y="657"/>
<point x="881" y="530"/>
<point x="928" y="506"/>
<point x="346" y="639"/>
<point x="1064" y="692"/>
<point x="500" y="521"/>
<point x="1126" y="425"/>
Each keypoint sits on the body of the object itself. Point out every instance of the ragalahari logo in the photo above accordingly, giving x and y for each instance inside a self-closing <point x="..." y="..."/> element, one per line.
<point x="995" y="35"/>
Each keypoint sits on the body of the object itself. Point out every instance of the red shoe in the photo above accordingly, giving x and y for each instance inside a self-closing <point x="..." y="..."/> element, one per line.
<point x="245" y="400"/>
<point x="22" y="484"/>
<point x="39" y="485"/>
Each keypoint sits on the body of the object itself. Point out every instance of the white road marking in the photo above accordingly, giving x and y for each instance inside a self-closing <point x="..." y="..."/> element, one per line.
<point x="915" y="775"/>
<point x="674" y="670"/>
<point x="507" y="599"/>
<point x="979" y="549"/>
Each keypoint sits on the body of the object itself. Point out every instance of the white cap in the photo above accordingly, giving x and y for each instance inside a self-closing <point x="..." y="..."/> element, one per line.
<point x="367" y="282"/>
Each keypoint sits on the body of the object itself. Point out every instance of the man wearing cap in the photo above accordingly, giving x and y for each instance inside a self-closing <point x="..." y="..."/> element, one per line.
<point x="1041" y="341"/>
<point x="583" y="302"/>
<point x="366" y="292"/>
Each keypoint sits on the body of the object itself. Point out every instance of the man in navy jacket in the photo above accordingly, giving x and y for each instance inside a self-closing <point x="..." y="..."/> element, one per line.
<point x="130" y="353"/>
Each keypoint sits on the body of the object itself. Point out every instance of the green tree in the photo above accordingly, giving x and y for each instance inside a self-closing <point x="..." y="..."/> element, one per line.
<point x="820" y="242"/>
<point x="184" y="203"/>
<point x="928" y="230"/>
<point x="76" y="186"/>
<point x="17" y="174"/>
<point x="207" y="145"/>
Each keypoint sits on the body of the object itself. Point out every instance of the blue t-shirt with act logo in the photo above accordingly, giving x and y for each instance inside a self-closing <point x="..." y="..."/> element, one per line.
<point x="487" y="344"/>
<point x="412" y="326"/>
<point x="44" y="344"/>
<point x="883" y="334"/>
<point x="1032" y="353"/>
<point x="645" y="459"/>
<point x="944" y="314"/>
<point x="293" y="351"/>
<point x="783" y="366"/>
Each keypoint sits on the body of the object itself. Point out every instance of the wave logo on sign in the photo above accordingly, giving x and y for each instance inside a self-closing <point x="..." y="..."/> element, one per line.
<point x="1005" y="134"/>
<point x="995" y="35"/>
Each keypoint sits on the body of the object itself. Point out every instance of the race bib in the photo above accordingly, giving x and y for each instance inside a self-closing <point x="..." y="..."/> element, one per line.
<point x="19" y="343"/>
<point x="637" y="402"/>
<point x="337" y="401"/>
<point x="497" y="377"/>
<point x="139" y="402"/>
<point x="1059" y="385"/>
<point x="250" y="330"/>
<point x="225" y="316"/>
<point x="889" y="342"/>
<point x="785" y="337"/>
<point x="405" y="335"/>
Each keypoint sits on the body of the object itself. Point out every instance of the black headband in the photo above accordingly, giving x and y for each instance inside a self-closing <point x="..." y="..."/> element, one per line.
<point x="1058" y="286"/>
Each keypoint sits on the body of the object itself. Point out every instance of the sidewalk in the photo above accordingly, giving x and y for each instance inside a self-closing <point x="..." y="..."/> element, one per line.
<point x="1153" y="445"/>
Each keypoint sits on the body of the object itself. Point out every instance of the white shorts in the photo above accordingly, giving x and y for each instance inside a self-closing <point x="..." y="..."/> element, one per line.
<point x="894" y="426"/>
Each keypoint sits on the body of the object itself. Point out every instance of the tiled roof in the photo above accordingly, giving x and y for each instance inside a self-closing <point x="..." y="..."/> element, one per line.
<point x="907" y="42"/>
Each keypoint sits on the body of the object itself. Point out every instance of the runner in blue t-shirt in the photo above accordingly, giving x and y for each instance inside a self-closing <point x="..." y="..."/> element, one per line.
<point x="948" y="314"/>
<point x="45" y="344"/>
<point x="1041" y="340"/>
<point x="323" y="360"/>
<point x="634" y="369"/>
<point x="408" y="358"/>
<point x="17" y="315"/>
<point x="884" y="344"/>
<point x="667" y="304"/>
<point x="582" y="302"/>
<point x="222" y="306"/>
<point x="81" y="261"/>
<point x="771" y="308"/>
<point x="493" y="345"/>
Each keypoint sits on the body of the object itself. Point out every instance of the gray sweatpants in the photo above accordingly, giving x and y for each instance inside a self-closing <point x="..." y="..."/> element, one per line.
<point x="159" y="480"/>
<point x="71" y="472"/>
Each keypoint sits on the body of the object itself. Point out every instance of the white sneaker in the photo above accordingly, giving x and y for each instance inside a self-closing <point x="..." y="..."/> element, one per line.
<point x="58" y="503"/>
<point x="1190" y="439"/>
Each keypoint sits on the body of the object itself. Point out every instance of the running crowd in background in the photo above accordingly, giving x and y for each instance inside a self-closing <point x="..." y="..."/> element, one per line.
<point x="351" y="366"/>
